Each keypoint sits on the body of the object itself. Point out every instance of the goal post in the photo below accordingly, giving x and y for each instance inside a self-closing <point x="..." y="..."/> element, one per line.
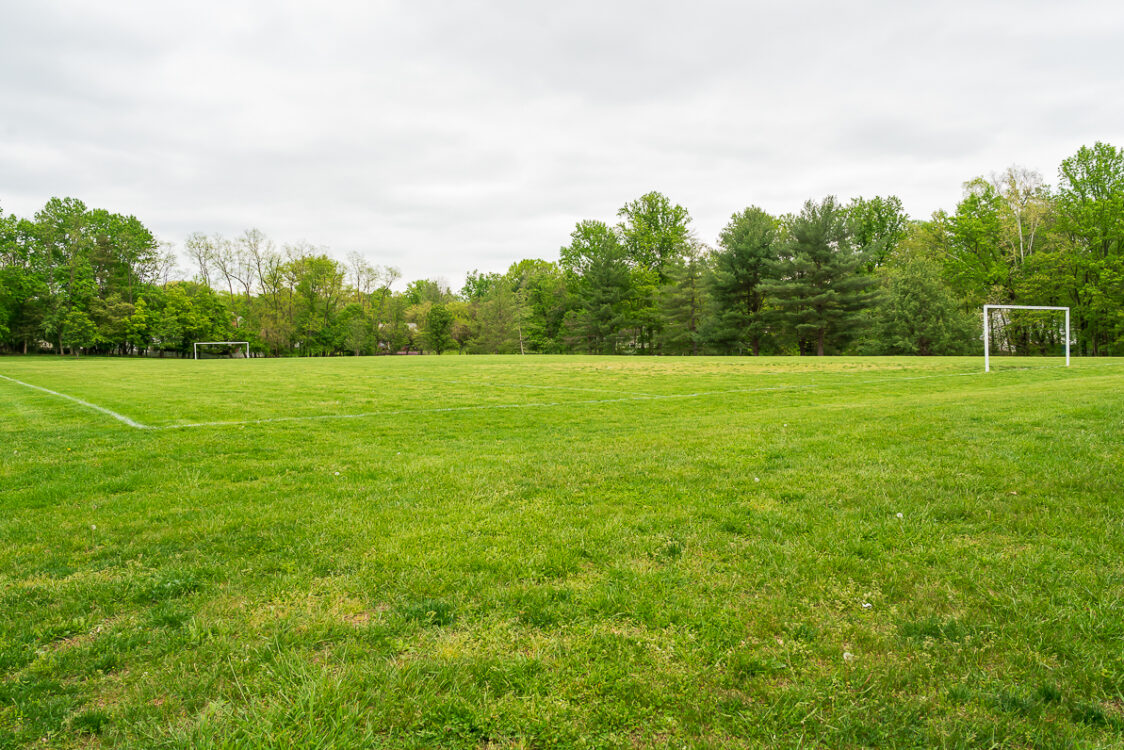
<point x="987" y="328"/>
<point x="222" y="343"/>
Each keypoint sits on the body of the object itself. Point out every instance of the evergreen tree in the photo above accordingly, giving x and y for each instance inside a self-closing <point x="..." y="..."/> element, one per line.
<point x="816" y="286"/>
<point x="747" y="254"/>
<point x="683" y="305"/>
<point x="916" y="312"/>
<point x="596" y="262"/>
<point x="497" y="319"/>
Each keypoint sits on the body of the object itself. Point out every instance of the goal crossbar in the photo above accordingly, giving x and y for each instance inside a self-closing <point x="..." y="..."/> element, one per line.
<point x="215" y="343"/>
<point x="986" y="328"/>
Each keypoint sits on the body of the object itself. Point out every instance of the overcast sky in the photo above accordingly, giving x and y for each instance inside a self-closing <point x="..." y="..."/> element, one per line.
<point x="445" y="136"/>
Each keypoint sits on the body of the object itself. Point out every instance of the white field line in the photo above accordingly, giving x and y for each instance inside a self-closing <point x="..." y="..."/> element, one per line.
<point x="87" y="404"/>
<point x="541" y="404"/>
<point x="493" y="384"/>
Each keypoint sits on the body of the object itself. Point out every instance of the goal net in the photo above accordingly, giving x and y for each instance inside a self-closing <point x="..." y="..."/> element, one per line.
<point x="1015" y="330"/>
<point x="222" y="349"/>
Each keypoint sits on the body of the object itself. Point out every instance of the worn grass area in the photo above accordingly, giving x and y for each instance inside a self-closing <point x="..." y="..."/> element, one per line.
<point x="562" y="552"/>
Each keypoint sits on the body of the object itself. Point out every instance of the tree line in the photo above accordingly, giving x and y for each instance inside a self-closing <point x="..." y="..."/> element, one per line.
<point x="833" y="277"/>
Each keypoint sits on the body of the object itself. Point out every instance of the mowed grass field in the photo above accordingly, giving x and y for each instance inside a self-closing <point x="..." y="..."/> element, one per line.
<point x="526" y="552"/>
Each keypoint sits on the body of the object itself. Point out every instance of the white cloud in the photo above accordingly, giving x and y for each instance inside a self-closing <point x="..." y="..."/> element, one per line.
<point x="441" y="137"/>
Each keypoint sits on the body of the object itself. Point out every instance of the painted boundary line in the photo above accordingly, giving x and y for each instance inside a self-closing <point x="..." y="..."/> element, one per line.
<point x="548" y="404"/>
<point x="480" y="407"/>
<point x="493" y="384"/>
<point x="87" y="404"/>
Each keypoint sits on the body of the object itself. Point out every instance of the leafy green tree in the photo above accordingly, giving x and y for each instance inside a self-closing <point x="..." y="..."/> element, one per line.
<point x="62" y="235"/>
<point x="9" y="298"/>
<point x="542" y="302"/>
<point x="71" y="258"/>
<point x="876" y="226"/>
<point x="975" y="262"/>
<point x="477" y="285"/>
<point x="817" y="287"/>
<point x="112" y="318"/>
<point x="427" y="290"/>
<point x="319" y="293"/>
<point x="655" y="235"/>
<point x="23" y="286"/>
<point x="355" y="329"/>
<point x="438" y="328"/>
<point x="123" y="253"/>
<point x="748" y="251"/>
<point x="1090" y="208"/>
<point x="655" y="232"/>
<point x="138" y="331"/>
<point x="174" y="322"/>
<point x="78" y="331"/>
<point x="394" y="332"/>
<point x="464" y="322"/>
<point x="1091" y="198"/>
<point x="191" y="312"/>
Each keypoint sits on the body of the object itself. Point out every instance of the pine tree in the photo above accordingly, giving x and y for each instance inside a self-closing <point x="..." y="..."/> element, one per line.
<point x="683" y="304"/>
<point x="598" y="268"/>
<point x="817" y="289"/>
<point x="747" y="255"/>
<point x="916" y="312"/>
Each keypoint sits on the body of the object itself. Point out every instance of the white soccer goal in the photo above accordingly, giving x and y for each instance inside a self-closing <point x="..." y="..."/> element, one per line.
<point x="987" y="328"/>
<point x="222" y="343"/>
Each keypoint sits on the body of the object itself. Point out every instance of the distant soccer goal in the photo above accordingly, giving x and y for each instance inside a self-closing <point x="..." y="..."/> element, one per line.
<point x="987" y="328"/>
<point x="229" y="347"/>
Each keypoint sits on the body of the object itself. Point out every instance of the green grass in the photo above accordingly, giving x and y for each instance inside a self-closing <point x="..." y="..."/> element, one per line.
<point x="562" y="552"/>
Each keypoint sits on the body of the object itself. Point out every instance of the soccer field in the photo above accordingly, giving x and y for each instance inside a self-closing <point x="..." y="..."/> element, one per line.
<point x="509" y="552"/>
